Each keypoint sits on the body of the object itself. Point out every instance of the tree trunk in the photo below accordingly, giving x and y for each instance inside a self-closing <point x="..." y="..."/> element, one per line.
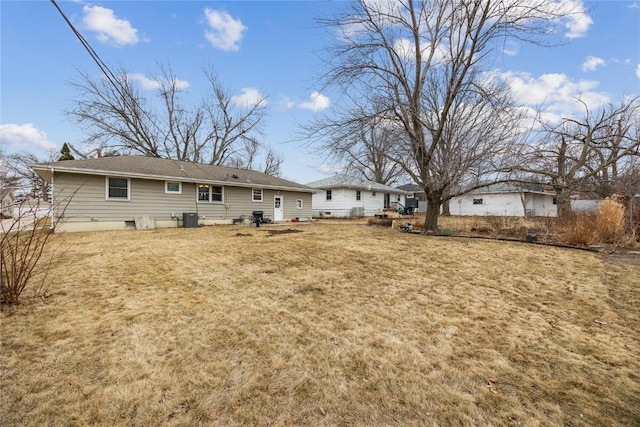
<point x="563" y="200"/>
<point x="433" y="212"/>
<point x="446" y="209"/>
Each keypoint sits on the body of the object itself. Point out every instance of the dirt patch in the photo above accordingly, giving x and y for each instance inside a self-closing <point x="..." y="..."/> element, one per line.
<point x="623" y="256"/>
<point x="286" y="231"/>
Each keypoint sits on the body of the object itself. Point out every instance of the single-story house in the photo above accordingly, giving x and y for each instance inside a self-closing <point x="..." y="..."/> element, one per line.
<point x="110" y="193"/>
<point x="415" y="197"/>
<point x="7" y="200"/>
<point x="505" y="200"/>
<point x="344" y="196"/>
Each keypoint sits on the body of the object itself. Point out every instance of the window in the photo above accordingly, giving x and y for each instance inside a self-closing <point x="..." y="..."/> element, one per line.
<point x="555" y="200"/>
<point x="171" y="187"/>
<point x="299" y="204"/>
<point x="203" y="192"/>
<point x="328" y="194"/>
<point x="209" y="193"/>
<point x="477" y="201"/>
<point x="358" y="195"/>
<point x="216" y="193"/>
<point x="117" y="188"/>
<point x="373" y="194"/>
<point x="257" y="195"/>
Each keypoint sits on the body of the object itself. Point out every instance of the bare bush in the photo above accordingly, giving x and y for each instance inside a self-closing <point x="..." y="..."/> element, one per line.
<point x="380" y="222"/>
<point x="22" y="243"/>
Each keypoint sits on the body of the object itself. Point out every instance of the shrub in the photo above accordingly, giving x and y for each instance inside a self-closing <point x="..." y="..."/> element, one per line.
<point x="22" y="243"/>
<point x="578" y="229"/>
<point x="381" y="222"/>
<point x="610" y="226"/>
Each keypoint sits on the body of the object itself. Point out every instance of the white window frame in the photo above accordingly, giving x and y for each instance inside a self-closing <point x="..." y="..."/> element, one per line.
<point x="358" y="195"/>
<point x="166" y="187"/>
<point x="329" y="195"/>
<point x="299" y="203"/>
<point x="210" y="194"/>
<point x="253" y="195"/>
<point x="119" y="199"/>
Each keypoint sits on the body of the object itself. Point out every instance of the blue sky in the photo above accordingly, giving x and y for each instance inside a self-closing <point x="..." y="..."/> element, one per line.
<point x="272" y="48"/>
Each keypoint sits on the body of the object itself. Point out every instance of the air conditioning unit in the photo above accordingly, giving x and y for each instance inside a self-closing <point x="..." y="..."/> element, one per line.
<point x="357" y="212"/>
<point x="189" y="219"/>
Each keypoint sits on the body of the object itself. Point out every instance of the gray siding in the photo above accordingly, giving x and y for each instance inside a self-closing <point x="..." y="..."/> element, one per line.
<point x="86" y="199"/>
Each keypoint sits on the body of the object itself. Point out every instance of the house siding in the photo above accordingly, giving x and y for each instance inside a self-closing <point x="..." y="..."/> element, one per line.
<point x="503" y="204"/>
<point x="343" y="200"/>
<point x="81" y="198"/>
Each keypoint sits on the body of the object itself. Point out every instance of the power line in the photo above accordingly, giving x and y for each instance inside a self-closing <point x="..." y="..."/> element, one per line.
<point x="131" y="102"/>
<point x="94" y="55"/>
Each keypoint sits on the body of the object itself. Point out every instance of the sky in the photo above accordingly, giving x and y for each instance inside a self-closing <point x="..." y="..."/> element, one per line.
<point x="270" y="48"/>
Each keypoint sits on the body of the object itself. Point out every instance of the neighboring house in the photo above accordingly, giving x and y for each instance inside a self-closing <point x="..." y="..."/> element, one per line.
<point x="7" y="200"/>
<point x="109" y="193"/>
<point x="415" y="197"/>
<point x="30" y="208"/>
<point x="505" y="200"/>
<point x="345" y="196"/>
<point x="585" y="205"/>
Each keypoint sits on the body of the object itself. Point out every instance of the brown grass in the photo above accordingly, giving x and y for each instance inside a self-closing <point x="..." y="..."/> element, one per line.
<point x="340" y="324"/>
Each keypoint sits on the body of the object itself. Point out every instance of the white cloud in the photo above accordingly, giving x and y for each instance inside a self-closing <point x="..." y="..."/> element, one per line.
<point x="510" y="48"/>
<point x="557" y="94"/>
<point x="591" y="63"/>
<point x="225" y="32"/>
<point x="330" y="169"/>
<point x="638" y="71"/>
<point x="250" y="97"/>
<point x="572" y="14"/>
<point x="150" y="84"/>
<point x="287" y="102"/>
<point x="24" y="136"/>
<point x="579" y="20"/>
<point x="317" y="102"/>
<point x="110" y="29"/>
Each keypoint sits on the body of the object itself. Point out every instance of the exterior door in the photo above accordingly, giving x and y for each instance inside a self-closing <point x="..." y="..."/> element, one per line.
<point x="278" y="209"/>
<point x="387" y="200"/>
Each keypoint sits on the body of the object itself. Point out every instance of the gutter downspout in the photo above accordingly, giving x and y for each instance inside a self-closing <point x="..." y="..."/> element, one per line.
<point x="51" y="213"/>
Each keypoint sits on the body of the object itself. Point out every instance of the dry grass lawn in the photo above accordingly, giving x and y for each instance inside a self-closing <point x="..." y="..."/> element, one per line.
<point x="338" y="324"/>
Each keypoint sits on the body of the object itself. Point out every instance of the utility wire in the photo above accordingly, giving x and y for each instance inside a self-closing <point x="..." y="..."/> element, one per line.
<point x="113" y="80"/>
<point x="94" y="55"/>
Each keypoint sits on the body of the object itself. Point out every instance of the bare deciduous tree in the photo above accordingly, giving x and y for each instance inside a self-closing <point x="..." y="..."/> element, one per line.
<point x="19" y="166"/>
<point x="361" y="143"/>
<point x="118" y="117"/>
<point x="580" y="150"/>
<point x="419" y="64"/>
<point x="8" y="179"/>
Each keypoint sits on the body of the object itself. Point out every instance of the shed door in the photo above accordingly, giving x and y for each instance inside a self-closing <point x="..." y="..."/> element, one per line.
<point x="278" y="209"/>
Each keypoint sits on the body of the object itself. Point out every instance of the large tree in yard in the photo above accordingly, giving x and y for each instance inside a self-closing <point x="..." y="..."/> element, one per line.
<point x="218" y="129"/>
<point x="581" y="151"/>
<point x="422" y="65"/>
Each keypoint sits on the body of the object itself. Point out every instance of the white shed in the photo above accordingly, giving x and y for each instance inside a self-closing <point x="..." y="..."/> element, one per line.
<point x="505" y="200"/>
